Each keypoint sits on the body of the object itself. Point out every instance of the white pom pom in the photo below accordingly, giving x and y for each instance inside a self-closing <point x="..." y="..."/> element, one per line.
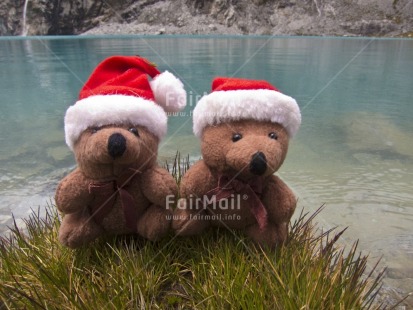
<point x="169" y="92"/>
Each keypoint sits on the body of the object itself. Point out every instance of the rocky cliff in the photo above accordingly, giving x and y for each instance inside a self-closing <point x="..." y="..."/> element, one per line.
<point x="289" y="17"/>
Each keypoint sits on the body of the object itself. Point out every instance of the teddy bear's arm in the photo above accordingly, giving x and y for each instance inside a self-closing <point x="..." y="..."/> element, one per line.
<point x="159" y="187"/>
<point x="279" y="200"/>
<point x="189" y="215"/>
<point x="197" y="181"/>
<point x="72" y="193"/>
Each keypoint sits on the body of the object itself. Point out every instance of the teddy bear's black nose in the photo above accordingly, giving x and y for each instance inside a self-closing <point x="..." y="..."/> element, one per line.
<point x="116" y="145"/>
<point x="258" y="164"/>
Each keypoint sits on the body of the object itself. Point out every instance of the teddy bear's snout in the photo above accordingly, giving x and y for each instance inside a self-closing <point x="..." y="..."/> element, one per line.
<point x="258" y="163"/>
<point x="116" y="145"/>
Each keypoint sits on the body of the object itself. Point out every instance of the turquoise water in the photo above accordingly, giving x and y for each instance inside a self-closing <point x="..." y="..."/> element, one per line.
<point x="353" y="153"/>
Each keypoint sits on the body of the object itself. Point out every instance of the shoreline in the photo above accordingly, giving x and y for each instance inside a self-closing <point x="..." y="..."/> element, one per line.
<point x="367" y="18"/>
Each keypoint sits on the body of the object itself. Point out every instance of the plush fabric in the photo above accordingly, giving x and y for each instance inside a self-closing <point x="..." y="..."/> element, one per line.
<point x="169" y="92"/>
<point x="234" y="99"/>
<point x="114" y="130"/>
<point x="135" y="204"/>
<point x="234" y="83"/>
<point x="100" y="110"/>
<point x="243" y="160"/>
<point x="122" y="75"/>
<point x="119" y="92"/>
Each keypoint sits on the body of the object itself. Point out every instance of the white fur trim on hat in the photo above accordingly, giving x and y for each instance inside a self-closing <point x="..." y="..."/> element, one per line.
<point x="169" y="92"/>
<point x="233" y="105"/>
<point x="100" y="110"/>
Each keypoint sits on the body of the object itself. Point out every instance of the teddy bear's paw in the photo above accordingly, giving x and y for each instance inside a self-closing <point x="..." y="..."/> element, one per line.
<point x="71" y="239"/>
<point x="270" y="236"/>
<point x="187" y="222"/>
<point x="75" y="232"/>
<point x="154" y="223"/>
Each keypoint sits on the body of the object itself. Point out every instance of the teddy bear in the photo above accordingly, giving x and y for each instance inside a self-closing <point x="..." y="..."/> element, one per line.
<point x="244" y="126"/>
<point x="114" y="130"/>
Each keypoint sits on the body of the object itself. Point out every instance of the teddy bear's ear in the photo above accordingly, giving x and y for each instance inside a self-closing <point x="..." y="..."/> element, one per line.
<point x="169" y="92"/>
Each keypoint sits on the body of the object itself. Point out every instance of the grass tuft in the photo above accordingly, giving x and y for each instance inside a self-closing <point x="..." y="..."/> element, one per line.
<point x="219" y="269"/>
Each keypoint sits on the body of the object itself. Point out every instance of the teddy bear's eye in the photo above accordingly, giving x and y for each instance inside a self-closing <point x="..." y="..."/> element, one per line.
<point x="273" y="135"/>
<point x="134" y="131"/>
<point x="236" y="137"/>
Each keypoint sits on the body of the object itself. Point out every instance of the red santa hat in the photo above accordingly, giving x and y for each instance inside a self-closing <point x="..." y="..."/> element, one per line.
<point x="119" y="92"/>
<point x="234" y="99"/>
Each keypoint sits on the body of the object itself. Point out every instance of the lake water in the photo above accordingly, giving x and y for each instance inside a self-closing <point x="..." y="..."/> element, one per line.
<point x="353" y="153"/>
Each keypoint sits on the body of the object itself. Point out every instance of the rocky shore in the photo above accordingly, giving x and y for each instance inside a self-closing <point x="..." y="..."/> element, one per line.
<point x="388" y="18"/>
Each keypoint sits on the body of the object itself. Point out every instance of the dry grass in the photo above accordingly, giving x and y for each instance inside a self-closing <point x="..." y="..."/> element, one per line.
<point x="217" y="270"/>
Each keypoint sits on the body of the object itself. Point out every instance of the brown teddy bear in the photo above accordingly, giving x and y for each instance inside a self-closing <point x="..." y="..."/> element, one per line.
<point x="244" y="127"/>
<point x="114" y="130"/>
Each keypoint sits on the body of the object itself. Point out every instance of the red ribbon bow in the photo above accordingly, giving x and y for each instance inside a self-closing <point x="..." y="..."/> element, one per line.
<point x="251" y="190"/>
<point x="105" y="194"/>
